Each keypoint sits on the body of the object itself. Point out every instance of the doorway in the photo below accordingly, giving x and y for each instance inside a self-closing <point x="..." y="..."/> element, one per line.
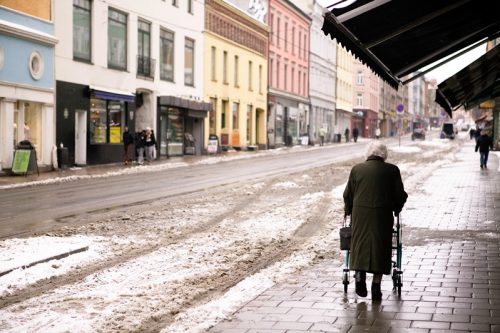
<point x="81" y="137"/>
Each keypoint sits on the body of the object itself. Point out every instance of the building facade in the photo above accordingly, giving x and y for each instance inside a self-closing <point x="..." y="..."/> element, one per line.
<point x="365" y="100"/>
<point x="121" y="64"/>
<point x="322" y="73"/>
<point x="236" y="47"/>
<point x="27" y="44"/>
<point x="344" y="106"/>
<point x="288" y="78"/>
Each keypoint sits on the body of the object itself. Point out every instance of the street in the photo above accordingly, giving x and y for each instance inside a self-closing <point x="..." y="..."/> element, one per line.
<point x="187" y="250"/>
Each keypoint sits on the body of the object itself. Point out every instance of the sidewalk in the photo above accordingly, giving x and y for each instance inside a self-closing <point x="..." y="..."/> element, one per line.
<point x="451" y="264"/>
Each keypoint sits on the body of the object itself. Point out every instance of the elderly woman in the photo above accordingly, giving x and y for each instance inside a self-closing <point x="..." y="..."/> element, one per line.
<point x="373" y="193"/>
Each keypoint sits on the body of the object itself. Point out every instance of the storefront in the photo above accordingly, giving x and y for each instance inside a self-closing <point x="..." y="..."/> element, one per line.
<point x="181" y="126"/>
<point x="287" y="122"/>
<point x="91" y="121"/>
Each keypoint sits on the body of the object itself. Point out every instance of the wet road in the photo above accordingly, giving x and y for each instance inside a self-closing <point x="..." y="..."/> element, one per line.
<point x="38" y="208"/>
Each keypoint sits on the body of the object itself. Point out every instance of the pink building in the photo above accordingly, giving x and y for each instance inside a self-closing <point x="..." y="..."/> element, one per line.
<point x="365" y="100"/>
<point x="288" y="98"/>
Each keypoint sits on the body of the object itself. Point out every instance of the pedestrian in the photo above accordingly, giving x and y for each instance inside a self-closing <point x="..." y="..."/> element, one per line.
<point x="322" y="133"/>
<point x="346" y="134"/>
<point x="355" y="134"/>
<point x="377" y="133"/>
<point x="140" y="141"/>
<point x="128" y="141"/>
<point x="150" y="143"/>
<point x="483" y="144"/>
<point x="374" y="192"/>
<point x="472" y="133"/>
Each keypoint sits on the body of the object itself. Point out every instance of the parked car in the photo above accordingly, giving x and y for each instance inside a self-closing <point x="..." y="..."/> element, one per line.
<point x="448" y="131"/>
<point x="418" y="133"/>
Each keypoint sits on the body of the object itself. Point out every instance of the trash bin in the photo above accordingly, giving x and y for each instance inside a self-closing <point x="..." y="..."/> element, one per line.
<point x="62" y="158"/>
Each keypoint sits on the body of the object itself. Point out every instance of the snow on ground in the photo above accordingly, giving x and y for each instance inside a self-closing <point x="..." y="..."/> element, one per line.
<point x="141" y="284"/>
<point x="17" y="253"/>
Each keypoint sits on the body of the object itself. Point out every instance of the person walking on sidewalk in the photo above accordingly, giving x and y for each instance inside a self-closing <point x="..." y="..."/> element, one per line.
<point x="374" y="192"/>
<point x="140" y="141"/>
<point x="483" y="144"/>
<point x="128" y="142"/>
<point x="346" y="134"/>
<point x="150" y="143"/>
<point x="355" y="134"/>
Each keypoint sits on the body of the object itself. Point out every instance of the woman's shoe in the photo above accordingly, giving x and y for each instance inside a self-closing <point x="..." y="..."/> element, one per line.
<point x="376" y="292"/>
<point x="360" y="278"/>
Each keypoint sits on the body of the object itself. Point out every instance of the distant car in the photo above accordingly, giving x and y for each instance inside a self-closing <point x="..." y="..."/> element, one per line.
<point x="448" y="131"/>
<point x="418" y="133"/>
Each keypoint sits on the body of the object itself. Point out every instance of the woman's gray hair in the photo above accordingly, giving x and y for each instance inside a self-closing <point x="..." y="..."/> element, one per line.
<point x="376" y="148"/>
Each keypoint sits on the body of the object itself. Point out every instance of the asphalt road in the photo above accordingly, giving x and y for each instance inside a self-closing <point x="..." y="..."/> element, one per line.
<point x="30" y="209"/>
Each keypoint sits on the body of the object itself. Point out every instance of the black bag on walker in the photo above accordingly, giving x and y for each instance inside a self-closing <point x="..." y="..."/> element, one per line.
<point x="345" y="236"/>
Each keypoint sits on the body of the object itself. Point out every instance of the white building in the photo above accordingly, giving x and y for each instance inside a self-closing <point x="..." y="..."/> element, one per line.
<point x="121" y="63"/>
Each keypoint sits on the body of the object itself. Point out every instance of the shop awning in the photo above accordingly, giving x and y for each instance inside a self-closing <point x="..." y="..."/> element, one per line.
<point x="111" y="94"/>
<point x="184" y="103"/>
<point x="398" y="37"/>
<point x="474" y="84"/>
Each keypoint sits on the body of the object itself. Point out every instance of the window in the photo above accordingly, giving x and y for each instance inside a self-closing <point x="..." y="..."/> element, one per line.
<point x="305" y="46"/>
<point x="278" y="23"/>
<point x="117" y="39"/>
<point x="81" y="30"/>
<point x="213" y="62"/>
<point x="249" y="123"/>
<point x="292" y="80"/>
<point x="224" y="67"/>
<point x="300" y="43"/>
<point x="285" y="78"/>
<point x="189" y="62"/>
<point x="359" y="77"/>
<point x="286" y="36"/>
<point x="144" y="65"/>
<point x="293" y="40"/>
<point x="236" y="74"/>
<point x="166" y="55"/>
<point x="190" y="6"/>
<point x="223" y="114"/>
<point x="213" y="116"/>
<point x="277" y="74"/>
<point x="250" y="78"/>
<point x="107" y="119"/>
<point x="175" y="3"/>
<point x="236" y="110"/>
<point x="298" y="79"/>
<point x="271" y="32"/>
<point x="271" y="76"/>
<point x="304" y="84"/>
<point x="260" y="79"/>
<point x="359" y="100"/>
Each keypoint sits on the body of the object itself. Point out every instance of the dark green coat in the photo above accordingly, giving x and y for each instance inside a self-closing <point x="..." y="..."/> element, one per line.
<point x="373" y="193"/>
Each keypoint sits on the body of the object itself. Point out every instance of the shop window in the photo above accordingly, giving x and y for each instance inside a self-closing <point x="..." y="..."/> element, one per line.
<point x="213" y="116"/>
<point x="236" y="118"/>
<point x="107" y="119"/>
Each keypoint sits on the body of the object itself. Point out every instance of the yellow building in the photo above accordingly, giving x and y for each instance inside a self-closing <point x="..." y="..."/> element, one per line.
<point x="235" y="76"/>
<point x="344" y="111"/>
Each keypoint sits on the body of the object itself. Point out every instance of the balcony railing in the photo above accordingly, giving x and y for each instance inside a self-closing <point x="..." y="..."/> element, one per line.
<point x="145" y="66"/>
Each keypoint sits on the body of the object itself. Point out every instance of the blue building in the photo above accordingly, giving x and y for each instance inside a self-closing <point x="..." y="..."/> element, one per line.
<point x="27" y="80"/>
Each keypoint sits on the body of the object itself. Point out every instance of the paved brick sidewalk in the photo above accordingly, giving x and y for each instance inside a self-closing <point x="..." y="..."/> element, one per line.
<point x="451" y="264"/>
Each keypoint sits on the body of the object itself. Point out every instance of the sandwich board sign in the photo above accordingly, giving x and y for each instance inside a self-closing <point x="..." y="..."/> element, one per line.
<point x="21" y="161"/>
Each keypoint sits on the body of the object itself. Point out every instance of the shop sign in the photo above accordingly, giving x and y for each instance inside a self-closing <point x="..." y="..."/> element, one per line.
<point x="21" y="161"/>
<point x="212" y="144"/>
<point x="114" y="134"/>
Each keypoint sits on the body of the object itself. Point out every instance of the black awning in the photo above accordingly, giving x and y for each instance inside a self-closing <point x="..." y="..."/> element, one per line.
<point x="474" y="84"/>
<point x="399" y="37"/>
<point x="184" y="103"/>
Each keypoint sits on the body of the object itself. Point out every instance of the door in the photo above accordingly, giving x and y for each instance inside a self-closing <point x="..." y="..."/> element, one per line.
<point x="81" y="137"/>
